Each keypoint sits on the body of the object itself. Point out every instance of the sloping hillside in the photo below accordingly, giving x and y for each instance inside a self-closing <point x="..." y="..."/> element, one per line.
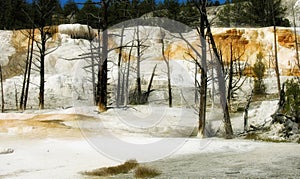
<point x="68" y="77"/>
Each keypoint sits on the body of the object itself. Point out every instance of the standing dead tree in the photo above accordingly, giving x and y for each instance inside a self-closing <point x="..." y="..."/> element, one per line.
<point x="101" y="88"/>
<point x="200" y="60"/>
<point x="2" y="90"/>
<point x="27" y="71"/>
<point x="41" y="22"/>
<point x="246" y="112"/>
<point x="204" y="33"/>
<point x="221" y="80"/>
<point x="167" y="61"/>
<point x="296" y="38"/>
<point x="126" y="86"/>
<point x="138" y="67"/>
<point x="233" y="65"/>
<point x="138" y="96"/>
<point x="275" y="48"/>
<point x="119" y="86"/>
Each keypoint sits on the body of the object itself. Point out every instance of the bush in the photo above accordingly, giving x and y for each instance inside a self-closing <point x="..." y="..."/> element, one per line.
<point x="259" y="73"/>
<point x="115" y="170"/>
<point x="292" y="100"/>
<point x="259" y="87"/>
<point x="146" y="172"/>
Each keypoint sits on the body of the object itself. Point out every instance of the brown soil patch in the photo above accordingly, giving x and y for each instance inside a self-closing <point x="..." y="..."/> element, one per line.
<point x="44" y="125"/>
<point x="286" y="38"/>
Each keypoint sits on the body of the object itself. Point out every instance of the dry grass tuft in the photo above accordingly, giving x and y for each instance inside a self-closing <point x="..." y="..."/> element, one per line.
<point x="146" y="172"/>
<point x="115" y="170"/>
<point x="254" y="136"/>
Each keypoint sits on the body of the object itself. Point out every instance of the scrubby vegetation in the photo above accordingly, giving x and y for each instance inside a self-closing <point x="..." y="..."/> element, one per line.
<point x="146" y="172"/>
<point x="256" y="136"/>
<point x="259" y="70"/>
<point x="125" y="168"/>
<point x="115" y="170"/>
<point x="292" y="100"/>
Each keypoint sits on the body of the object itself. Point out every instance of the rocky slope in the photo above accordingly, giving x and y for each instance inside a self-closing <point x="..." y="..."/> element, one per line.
<point x="67" y="81"/>
<point x="288" y="4"/>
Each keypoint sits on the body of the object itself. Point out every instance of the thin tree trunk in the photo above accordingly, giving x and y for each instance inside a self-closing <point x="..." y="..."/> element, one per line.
<point x="167" y="61"/>
<point x="150" y="83"/>
<point x="275" y="51"/>
<point x="222" y="85"/>
<point x="16" y="96"/>
<point x="296" y="40"/>
<point x="170" y="87"/>
<point x="42" y="70"/>
<point x="196" y="83"/>
<point x="212" y="80"/>
<point x="2" y="90"/>
<point x="203" y="92"/>
<point x="127" y="87"/>
<point x="276" y="61"/>
<point x="123" y="85"/>
<point x="25" y="73"/>
<point x="138" y="66"/>
<point x="102" y="73"/>
<point x="246" y="112"/>
<point x="151" y="79"/>
<point x="93" y="65"/>
<point x="29" y="71"/>
<point x="93" y="74"/>
<point x="118" y="98"/>
<point x="203" y="86"/>
<point x="229" y="91"/>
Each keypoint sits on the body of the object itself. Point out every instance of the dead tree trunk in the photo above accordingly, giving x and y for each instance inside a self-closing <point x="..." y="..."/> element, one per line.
<point x="2" y="90"/>
<point x="203" y="68"/>
<point x="151" y="79"/>
<point x="275" y="51"/>
<point x="127" y="87"/>
<point x="203" y="91"/>
<point x="93" y="64"/>
<point x="29" y="71"/>
<point x="246" y="112"/>
<point x="296" y="39"/>
<point x="196" y="84"/>
<point x="222" y="85"/>
<point x="16" y="96"/>
<point x="25" y="73"/>
<point x="42" y="49"/>
<point x="118" y="97"/>
<point x="102" y="73"/>
<point x="230" y="75"/>
<point x="138" y="68"/>
<point x="276" y="61"/>
<point x="167" y="61"/>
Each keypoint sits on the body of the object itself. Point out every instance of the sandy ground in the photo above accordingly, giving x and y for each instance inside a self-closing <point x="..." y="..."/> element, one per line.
<point x="51" y="146"/>
<point x="266" y="161"/>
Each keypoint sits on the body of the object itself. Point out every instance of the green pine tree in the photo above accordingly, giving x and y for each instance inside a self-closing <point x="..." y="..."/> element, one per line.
<point x="292" y="101"/>
<point x="259" y="73"/>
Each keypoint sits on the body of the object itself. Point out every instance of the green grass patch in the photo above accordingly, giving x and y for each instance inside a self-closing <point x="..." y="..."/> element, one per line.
<point x="146" y="172"/>
<point x="255" y="136"/>
<point x="115" y="170"/>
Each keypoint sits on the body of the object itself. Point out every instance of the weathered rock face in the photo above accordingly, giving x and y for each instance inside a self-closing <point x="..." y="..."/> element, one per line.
<point x="248" y="42"/>
<point x="70" y="79"/>
<point x="244" y="44"/>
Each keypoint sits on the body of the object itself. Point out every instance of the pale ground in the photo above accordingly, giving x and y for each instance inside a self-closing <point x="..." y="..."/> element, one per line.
<point x="61" y="146"/>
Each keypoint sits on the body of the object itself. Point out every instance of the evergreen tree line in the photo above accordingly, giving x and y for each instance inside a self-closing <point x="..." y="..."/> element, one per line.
<point x="252" y="13"/>
<point x="14" y="14"/>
